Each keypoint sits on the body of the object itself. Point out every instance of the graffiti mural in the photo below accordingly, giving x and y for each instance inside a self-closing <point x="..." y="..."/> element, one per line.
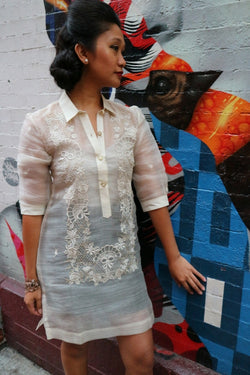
<point x="203" y="134"/>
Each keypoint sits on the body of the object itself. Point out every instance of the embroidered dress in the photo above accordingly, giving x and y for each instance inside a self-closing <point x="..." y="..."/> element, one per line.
<point x="88" y="259"/>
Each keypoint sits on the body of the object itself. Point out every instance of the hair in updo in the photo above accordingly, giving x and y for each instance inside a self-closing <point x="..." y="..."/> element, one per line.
<point x="86" y="20"/>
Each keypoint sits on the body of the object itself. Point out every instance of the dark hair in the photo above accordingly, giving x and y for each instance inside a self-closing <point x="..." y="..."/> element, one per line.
<point x="86" y="20"/>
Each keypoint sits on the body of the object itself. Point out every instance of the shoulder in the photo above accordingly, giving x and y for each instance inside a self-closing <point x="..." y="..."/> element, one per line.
<point x="120" y="109"/>
<point x="39" y="122"/>
<point x="44" y="113"/>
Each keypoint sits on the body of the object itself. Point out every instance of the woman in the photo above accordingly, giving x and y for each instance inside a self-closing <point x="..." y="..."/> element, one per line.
<point x="77" y="159"/>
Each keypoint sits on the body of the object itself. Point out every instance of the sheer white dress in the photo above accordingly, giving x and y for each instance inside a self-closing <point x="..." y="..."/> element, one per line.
<point x="88" y="258"/>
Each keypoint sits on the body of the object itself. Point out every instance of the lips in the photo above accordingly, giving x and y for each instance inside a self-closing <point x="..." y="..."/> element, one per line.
<point x="119" y="74"/>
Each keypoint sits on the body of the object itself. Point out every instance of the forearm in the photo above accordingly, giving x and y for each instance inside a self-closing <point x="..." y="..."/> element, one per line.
<point x="163" y="226"/>
<point x="182" y="271"/>
<point x="31" y="235"/>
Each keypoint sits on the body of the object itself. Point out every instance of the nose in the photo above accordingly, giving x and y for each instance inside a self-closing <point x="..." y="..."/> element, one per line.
<point x="122" y="61"/>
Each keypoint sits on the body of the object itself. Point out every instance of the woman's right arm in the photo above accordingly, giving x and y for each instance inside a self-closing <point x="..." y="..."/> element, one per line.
<point x="31" y="234"/>
<point x="34" y="191"/>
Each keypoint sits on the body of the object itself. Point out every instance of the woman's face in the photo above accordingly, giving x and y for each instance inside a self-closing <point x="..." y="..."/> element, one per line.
<point x="106" y="62"/>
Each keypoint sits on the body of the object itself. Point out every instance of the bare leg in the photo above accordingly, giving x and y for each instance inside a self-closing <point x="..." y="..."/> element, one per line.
<point x="74" y="358"/>
<point x="137" y="352"/>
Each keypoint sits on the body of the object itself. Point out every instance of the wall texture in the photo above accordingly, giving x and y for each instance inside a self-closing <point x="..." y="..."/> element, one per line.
<point x="187" y="67"/>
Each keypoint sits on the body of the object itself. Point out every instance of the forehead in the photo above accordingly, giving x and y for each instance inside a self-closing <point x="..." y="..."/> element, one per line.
<point x="113" y="34"/>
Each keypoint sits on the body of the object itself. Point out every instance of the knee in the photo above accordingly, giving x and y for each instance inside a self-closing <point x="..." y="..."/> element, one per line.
<point x="73" y="350"/>
<point x="137" y="352"/>
<point x="140" y="362"/>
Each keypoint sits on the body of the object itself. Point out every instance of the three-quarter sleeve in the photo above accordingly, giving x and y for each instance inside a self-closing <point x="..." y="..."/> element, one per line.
<point x="149" y="175"/>
<point x="33" y="168"/>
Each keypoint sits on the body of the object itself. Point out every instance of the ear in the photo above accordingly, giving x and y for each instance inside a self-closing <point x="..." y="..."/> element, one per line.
<point x="81" y="52"/>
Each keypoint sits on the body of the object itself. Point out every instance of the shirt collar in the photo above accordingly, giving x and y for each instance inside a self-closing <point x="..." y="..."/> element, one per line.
<point x="70" y="111"/>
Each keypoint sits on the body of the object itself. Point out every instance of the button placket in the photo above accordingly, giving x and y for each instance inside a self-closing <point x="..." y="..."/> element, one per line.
<point x="98" y="145"/>
<point x="103" y="169"/>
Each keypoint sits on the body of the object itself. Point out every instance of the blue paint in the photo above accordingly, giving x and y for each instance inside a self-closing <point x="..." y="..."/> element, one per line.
<point x="222" y="356"/>
<point x="209" y="230"/>
<point x="187" y="213"/>
<point x="207" y="161"/>
<point x="220" y="219"/>
<point x="243" y="343"/>
<point x="241" y="364"/>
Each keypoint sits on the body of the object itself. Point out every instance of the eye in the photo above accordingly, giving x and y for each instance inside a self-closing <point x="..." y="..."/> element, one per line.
<point x="115" y="48"/>
<point x="162" y="86"/>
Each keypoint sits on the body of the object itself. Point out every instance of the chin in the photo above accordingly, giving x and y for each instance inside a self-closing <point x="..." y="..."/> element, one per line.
<point x="118" y="84"/>
<point x="115" y="83"/>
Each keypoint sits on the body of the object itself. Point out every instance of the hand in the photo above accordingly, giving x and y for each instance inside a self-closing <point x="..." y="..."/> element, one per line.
<point x="33" y="301"/>
<point x="186" y="275"/>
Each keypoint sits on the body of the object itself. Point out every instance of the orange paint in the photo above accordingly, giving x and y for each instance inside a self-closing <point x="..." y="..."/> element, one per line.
<point x="59" y="4"/>
<point x="164" y="61"/>
<point x="222" y="122"/>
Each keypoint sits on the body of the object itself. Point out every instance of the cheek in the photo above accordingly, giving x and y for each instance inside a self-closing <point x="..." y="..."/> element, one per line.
<point x="107" y="59"/>
<point x="104" y="62"/>
<point x="106" y="55"/>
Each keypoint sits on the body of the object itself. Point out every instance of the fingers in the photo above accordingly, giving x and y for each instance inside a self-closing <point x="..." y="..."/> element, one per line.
<point x="38" y="307"/>
<point x="191" y="279"/>
<point x="199" y="275"/>
<point x="33" y="301"/>
<point x="187" y="287"/>
<point x="187" y="276"/>
<point x="196" y="285"/>
<point x="31" y="305"/>
<point x="192" y="284"/>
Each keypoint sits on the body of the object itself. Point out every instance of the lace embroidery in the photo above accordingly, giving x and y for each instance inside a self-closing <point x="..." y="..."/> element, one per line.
<point x="59" y="131"/>
<point x="87" y="261"/>
<point x="69" y="161"/>
<point x="90" y="263"/>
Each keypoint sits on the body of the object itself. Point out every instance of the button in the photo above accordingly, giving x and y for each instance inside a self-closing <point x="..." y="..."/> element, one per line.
<point x="99" y="133"/>
<point x="103" y="184"/>
<point x="100" y="157"/>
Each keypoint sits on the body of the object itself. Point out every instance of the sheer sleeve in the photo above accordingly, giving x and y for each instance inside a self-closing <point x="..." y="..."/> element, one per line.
<point x="33" y="168"/>
<point x="149" y="176"/>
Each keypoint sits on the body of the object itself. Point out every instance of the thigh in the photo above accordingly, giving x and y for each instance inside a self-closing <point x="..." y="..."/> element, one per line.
<point x="137" y="348"/>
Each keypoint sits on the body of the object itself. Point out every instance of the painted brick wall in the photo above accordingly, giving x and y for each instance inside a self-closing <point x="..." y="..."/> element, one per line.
<point x="25" y="83"/>
<point x="25" y="86"/>
<point x="211" y="230"/>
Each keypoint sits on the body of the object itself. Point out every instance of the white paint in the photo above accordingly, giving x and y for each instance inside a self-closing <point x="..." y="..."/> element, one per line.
<point x="214" y="302"/>
<point x="25" y="83"/>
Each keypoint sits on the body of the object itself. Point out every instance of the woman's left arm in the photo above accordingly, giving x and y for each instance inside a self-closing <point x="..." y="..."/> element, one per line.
<point x="181" y="270"/>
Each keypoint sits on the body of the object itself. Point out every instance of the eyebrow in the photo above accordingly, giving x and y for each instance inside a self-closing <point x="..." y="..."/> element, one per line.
<point x="120" y="40"/>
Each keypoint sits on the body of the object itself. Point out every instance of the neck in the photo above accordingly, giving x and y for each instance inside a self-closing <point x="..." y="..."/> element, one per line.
<point x="86" y="97"/>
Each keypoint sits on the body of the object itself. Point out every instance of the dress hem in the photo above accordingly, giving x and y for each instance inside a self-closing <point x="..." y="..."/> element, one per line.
<point x="104" y="333"/>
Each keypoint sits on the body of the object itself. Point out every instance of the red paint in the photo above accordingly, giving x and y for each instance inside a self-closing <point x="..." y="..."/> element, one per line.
<point x="18" y="246"/>
<point x="171" y="169"/>
<point x="182" y="340"/>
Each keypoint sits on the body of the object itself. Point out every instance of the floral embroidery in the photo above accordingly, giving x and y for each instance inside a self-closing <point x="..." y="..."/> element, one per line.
<point x="61" y="136"/>
<point x="88" y="175"/>
<point x="87" y="261"/>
